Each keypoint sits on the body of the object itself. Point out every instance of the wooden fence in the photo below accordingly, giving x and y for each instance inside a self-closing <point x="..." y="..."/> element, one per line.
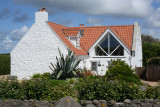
<point x="140" y="72"/>
<point x="153" y="72"/>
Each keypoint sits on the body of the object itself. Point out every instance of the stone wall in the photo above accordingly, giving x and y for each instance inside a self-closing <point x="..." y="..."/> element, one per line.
<point x="70" y="102"/>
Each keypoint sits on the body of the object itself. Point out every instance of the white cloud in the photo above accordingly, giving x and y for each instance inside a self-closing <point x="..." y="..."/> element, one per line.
<point x="125" y="8"/>
<point x="152" y="32"/>
<point x="94" y="21"/>
<point x="19" y="33"/>
<point x="3" y="34"/>
<point x="7" y="44"/>
<point x="10" y="38"/>
<point x="153" y="20"/>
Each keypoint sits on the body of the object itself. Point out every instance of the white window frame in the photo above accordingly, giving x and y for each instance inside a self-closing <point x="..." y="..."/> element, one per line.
<point x="102" y="36"/>
<point x="110" y="54"/>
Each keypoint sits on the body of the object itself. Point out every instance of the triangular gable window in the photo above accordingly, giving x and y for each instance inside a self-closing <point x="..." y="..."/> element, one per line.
<point x="109" y="46"/>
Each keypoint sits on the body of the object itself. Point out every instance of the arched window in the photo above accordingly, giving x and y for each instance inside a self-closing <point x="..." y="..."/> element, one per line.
<point x="109" y="46"/>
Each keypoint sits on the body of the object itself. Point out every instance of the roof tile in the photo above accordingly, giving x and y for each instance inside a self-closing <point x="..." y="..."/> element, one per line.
<point x="91" y="34"/>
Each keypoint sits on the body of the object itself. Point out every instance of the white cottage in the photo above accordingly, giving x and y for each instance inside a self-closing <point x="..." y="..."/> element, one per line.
<point x="95" y="45"/>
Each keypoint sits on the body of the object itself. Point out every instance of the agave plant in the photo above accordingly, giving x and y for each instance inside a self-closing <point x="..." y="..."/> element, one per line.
<point x="65" y="67"/>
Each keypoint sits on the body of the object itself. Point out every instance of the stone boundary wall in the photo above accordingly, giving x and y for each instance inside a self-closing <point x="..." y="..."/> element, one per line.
<point x="70" y="102"/>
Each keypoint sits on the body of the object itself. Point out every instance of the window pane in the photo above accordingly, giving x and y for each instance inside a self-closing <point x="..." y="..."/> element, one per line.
<point x="113" y="43"/>
<point x="94" y="69"/>
<point x="94" y="66"/>
<point x="94" y="63"/>
<point x="99" y="51"/>
<point x="104" y="43"/>
<point x="119" y="51"/>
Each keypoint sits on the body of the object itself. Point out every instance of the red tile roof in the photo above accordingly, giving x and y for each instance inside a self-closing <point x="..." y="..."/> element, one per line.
<point x="91" y="34"/>
<point x="58" y="29"/>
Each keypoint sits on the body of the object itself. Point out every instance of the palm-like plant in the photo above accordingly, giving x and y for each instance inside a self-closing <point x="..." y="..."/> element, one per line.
<point x="65" y="67"/>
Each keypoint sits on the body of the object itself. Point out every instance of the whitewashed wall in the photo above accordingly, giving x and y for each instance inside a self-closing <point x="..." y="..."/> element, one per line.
<point x="103" y="60"/>
<point x="137" y="60"/>
<point x="35" y="51"/>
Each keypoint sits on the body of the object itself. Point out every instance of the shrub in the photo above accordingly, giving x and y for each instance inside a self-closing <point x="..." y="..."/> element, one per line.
<point x="35" y="90"/>
<point x="11" y="90"/>
<point x="111" y="90"/>
<point x="85" y="72"/>
<point x="121" y="71"/>
<point x="4" y="64"/>
<point x="155" y="60"/>
<point x="61" y="91"/>
<point x="39" y="90"/>
<point x="44" y="76"/>
<point x="65" y="66"/>
<point x="153" y="92"/>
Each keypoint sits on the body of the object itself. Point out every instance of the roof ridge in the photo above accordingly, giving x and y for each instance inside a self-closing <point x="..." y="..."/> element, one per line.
<point x="97" y="26"/>
<point x="57" y="24"/>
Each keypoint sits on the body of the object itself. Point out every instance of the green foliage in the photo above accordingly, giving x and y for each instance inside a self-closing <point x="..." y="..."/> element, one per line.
<point x="121" y="71"/>
<point x="109" y="90"/>
<point x="153" y="92"/>
<point x="44" y="76"/>
<point x="39" y="90"/>
<point x="65" y="66"/>
<point x="149" y="39"/>
<point x="87" y="88"/>
<point x="34" y="90"/>
<point x="150" y="51"/>
<point x="155" y="60"/>
<point x="4" y="64"/>
<point x="61" y="91"/>
<point x="11" y="90"/>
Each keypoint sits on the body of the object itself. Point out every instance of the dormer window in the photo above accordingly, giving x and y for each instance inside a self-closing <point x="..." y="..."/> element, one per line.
<point x="74" y="40"/>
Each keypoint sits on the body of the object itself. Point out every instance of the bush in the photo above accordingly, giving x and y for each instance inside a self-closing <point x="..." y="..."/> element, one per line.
<point x="4" y="64"/>
<point x="111" y="90"/>
<point x="153" y="92"/>
<point x="11" y="90"/>
<point x="61" y="91"/>
<point x="39" y="90"/>
<point x="155" y="60"/>
<point x="44" y="76"/>
<point x="85" y="72"/>
<point x="121" y="71"/>
<point x="34" y="90"/>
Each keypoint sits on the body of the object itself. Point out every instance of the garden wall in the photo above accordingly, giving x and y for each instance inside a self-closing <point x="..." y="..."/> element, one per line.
<point x="70" y="102"/>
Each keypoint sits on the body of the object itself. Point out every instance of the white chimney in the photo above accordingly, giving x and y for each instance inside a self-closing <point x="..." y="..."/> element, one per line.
<point x="41" y="16"/>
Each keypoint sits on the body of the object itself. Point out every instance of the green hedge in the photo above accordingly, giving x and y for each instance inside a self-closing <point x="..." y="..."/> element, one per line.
<point x="88" y="88"/>
<point x="112" y="90"/>
<point x="31" y="89"/>
<point x="91" y="88"/>
<point x="4" y="64"/>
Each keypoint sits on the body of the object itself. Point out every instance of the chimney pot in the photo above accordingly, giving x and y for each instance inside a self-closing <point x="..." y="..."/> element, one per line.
<point x="44" y="9"/>
<point x="40" y="10"/>
<point x="80" y="25"/>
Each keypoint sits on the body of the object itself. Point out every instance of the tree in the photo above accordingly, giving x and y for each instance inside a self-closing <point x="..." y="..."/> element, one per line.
<point x="149" y="39"/>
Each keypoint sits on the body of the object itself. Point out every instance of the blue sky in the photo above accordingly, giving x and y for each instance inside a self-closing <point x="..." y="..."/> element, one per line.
<point x="17" y="16"/>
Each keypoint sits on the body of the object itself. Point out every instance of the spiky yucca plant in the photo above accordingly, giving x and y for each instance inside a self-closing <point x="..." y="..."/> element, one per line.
<point x="65" y="67"/>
